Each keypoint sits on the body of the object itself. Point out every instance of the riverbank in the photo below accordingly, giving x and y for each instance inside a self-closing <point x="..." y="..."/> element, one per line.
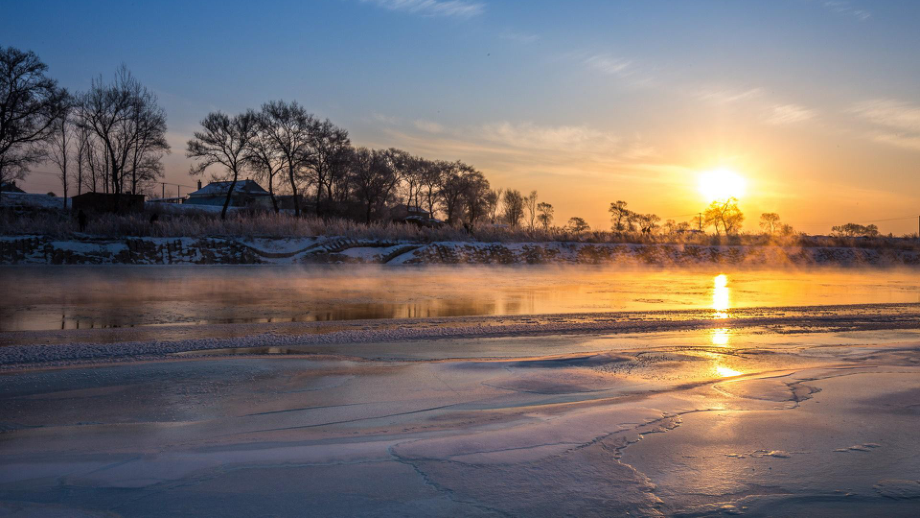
<point x="39" y="249"/>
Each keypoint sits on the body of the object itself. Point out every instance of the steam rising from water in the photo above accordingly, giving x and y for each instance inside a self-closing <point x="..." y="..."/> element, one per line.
<point x="107" y="296"/>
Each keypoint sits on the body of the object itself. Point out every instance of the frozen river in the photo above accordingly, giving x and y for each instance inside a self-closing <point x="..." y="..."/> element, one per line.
<point x="458" y="392"/>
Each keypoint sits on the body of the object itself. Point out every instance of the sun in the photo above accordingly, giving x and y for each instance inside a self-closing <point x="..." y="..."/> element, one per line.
<point x="721" y="184"/>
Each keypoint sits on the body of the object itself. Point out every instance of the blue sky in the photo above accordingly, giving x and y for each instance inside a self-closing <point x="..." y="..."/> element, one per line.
<point x="816" y="102"/>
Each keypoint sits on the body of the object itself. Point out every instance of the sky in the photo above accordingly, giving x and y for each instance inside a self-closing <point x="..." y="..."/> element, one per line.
<point x="815" y="103"/>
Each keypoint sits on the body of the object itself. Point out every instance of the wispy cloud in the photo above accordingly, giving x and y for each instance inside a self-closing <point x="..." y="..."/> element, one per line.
<point x="518" y="37"/>
<point x="385" y="119"/>
<point x="609" y="65"/>
<point x="895" y="122"/>
<point x="428" y="126"/>
<point x="789" y="114"/>
<point x="847" y="9"/>
<point x="528" y="135"/>
<point x="434" y="8"/>
<point x="720" y="95"/>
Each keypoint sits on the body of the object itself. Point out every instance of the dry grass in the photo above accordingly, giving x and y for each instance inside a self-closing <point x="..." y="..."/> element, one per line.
<point x="183" y="222"/>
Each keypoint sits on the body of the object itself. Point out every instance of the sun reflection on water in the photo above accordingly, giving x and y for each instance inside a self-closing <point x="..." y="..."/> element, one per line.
<point x="721" y="296"/>
<point x="720" y="337"/>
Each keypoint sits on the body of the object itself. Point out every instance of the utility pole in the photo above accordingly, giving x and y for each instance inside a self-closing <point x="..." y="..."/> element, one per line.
<point x="163" y="184"/>
<point x="701" y="221"/>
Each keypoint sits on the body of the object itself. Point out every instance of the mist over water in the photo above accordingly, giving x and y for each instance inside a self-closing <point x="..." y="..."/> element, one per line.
<point x="83" y="297"/>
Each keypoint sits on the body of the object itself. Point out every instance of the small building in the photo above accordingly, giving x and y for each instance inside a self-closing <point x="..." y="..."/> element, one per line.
<point x="11" y="187"/>
<point x="246" y="193"/>
<point x="405" y="213"/>
<point x="107" y="202"/>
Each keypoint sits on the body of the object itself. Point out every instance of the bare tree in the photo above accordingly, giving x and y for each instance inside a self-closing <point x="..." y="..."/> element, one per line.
<point x="647" y="222"/>
<point x="546" y="214"/>
<point x="475" y="194"/>
<point x="620" y="216"/>
<point x="328" y="149"/>
<point x="769" y="223"/>
<point x="451" y="192"/>
<point x="373" y="179"/>
<point x="433" y="173"/>
<point x="514" y="206"/>
<point x="530" y="205"/>
<point x="60" y="145"/>
<point x="266" y="161"/>
<point x="93" y="159"/>
<point x="855" y="230"/>
<point x="123" y="115"/>
<point x="578" y="225"/>
<point x="290" y="128"/>
<point x="150" y="144"/>
<point x="30" y="103"/>
<point x="494" y="200"/>
<point x="225" y="141"/>
<point x="413" y="177"/>
<point x="725" y="216"/>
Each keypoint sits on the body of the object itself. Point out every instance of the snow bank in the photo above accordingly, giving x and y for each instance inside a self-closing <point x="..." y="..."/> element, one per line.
<point x="237" y="250"/>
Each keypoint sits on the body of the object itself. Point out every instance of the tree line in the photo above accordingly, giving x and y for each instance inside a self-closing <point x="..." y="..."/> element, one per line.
<point x="283" y="146"/>
<point x="112" y="138"/>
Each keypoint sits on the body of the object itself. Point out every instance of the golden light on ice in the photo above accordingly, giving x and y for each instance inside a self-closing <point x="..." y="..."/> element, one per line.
<point x="726" y="372"/>
<point x="721" y="184"/>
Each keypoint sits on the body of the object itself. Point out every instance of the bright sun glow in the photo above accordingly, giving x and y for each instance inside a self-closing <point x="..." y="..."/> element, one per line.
<point x="721" y="184"/>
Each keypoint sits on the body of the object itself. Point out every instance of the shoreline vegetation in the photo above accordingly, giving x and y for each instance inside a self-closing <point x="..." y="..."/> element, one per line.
<point x="181" y="234"/>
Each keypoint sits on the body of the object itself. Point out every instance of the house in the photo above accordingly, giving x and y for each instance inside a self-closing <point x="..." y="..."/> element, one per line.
<point x="246" y="193"/>
<point x="405" y="213"/>
<point x="107" y="202"/>
<point x="10" y="187"/>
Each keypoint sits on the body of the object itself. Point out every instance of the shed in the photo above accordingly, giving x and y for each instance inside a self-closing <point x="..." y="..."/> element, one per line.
<point x="108" y="202"/>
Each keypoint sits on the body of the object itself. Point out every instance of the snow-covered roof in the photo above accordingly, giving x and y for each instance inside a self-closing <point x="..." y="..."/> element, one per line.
<point x="249" y="187"/>
<point x="10" y="187"/>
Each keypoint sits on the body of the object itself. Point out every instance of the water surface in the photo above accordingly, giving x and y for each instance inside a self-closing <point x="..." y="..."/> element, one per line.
<point x="82" y="297"/>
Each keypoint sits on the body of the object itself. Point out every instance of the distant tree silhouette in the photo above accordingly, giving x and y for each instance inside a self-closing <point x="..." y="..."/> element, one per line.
<point x="475" y="195"/>
<point x="451" y="191"/>
<point x="578" y="225"/>
<point x="130" y="127"/>
<point x="855" y="230"/>
<point x="30" y="102"/>
<point x="724" y="216"/>
<point x="224" y="140"/>
<point x="546" y="214"/>
<point x="374" y="180"/>
<point x="647" y="222"/>
<point x="289" y="129"/>
<point x="493" y="203"/>
<point x="514" y="207"/>
<point x="530" y="205"/>
<point x="620" y="216"/>
<point x="328" y="154"/>
<point x="769" y="223"/>
<point x="265" y="160"/>
<point x="60" y="144"/>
